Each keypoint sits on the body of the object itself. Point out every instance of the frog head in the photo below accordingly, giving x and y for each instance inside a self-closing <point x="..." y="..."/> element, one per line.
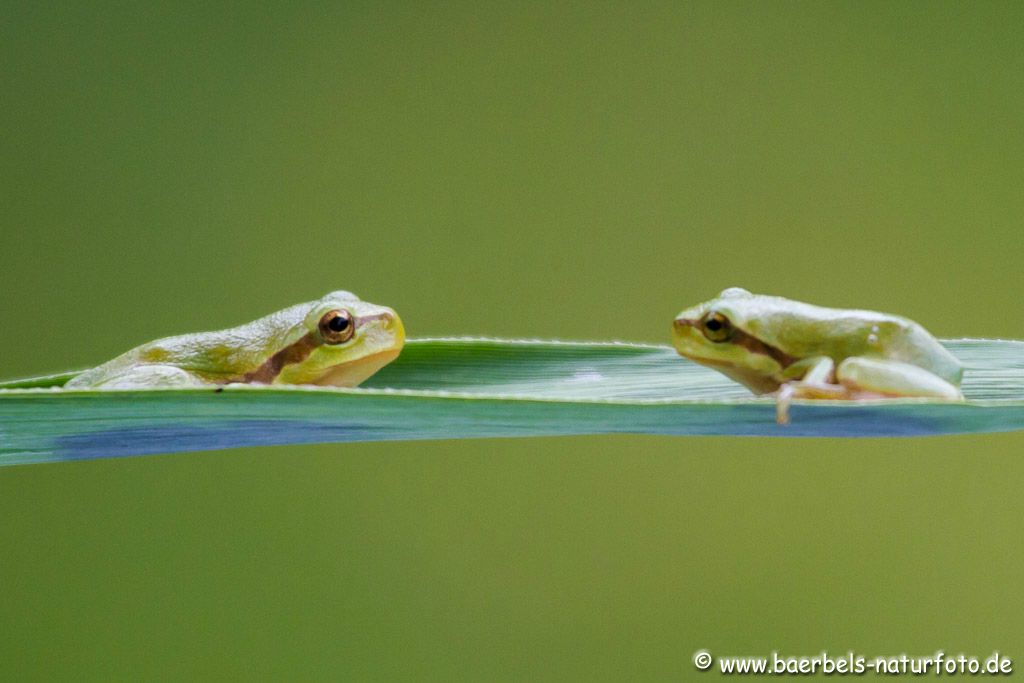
<point x="345" y="341"/>
<point x="722" y="334"/>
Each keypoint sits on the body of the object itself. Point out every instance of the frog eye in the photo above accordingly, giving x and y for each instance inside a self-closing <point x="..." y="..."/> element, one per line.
<point x="337" y="326"/>
<point x="716" y="327"/>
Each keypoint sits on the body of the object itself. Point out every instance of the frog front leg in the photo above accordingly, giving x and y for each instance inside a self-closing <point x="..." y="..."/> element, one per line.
<point x="811" y="378"/>
<point x="858" y="377"/>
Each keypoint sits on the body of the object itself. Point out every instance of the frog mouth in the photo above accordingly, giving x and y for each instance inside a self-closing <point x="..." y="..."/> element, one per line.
<point x="355" y="372"/>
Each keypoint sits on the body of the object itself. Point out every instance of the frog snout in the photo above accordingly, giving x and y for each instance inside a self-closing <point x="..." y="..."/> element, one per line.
<point x="683" y="329"/>
<point x="394" y="323"/>
<point x="679" y="325"/>
<point x="386" y="320"/>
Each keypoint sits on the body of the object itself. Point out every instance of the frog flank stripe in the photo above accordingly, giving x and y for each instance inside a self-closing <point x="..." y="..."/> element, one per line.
<point x="293" y="353"/>
<point x="755" y="345"/>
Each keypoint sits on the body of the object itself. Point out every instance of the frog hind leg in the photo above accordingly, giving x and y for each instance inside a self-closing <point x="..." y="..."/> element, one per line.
<point x="860" y="378"/>
<point x="893" y="378"/>
<point x="149" y="377"/>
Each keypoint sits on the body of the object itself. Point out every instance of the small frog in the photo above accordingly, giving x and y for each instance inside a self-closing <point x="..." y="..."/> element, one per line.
<point x="770" y="344"/>
<point x="336" y="341"/>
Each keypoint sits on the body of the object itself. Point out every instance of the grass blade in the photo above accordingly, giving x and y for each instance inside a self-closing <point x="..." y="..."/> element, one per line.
<point x="470" y="388"/>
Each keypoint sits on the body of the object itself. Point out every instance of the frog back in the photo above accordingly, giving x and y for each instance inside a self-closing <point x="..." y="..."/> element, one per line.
<point x="803" y="331"/>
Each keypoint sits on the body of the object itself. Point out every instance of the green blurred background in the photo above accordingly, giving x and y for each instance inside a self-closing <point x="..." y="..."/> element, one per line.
<point x="557" y="170"/>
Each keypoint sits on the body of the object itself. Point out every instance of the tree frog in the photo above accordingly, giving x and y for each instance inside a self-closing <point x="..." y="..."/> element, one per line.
<point x="771" y="344"/>
<point x="336" y="341"/>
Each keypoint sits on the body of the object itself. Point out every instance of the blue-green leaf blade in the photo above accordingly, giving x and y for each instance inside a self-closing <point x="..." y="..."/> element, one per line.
<point x="469" y="388"/>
